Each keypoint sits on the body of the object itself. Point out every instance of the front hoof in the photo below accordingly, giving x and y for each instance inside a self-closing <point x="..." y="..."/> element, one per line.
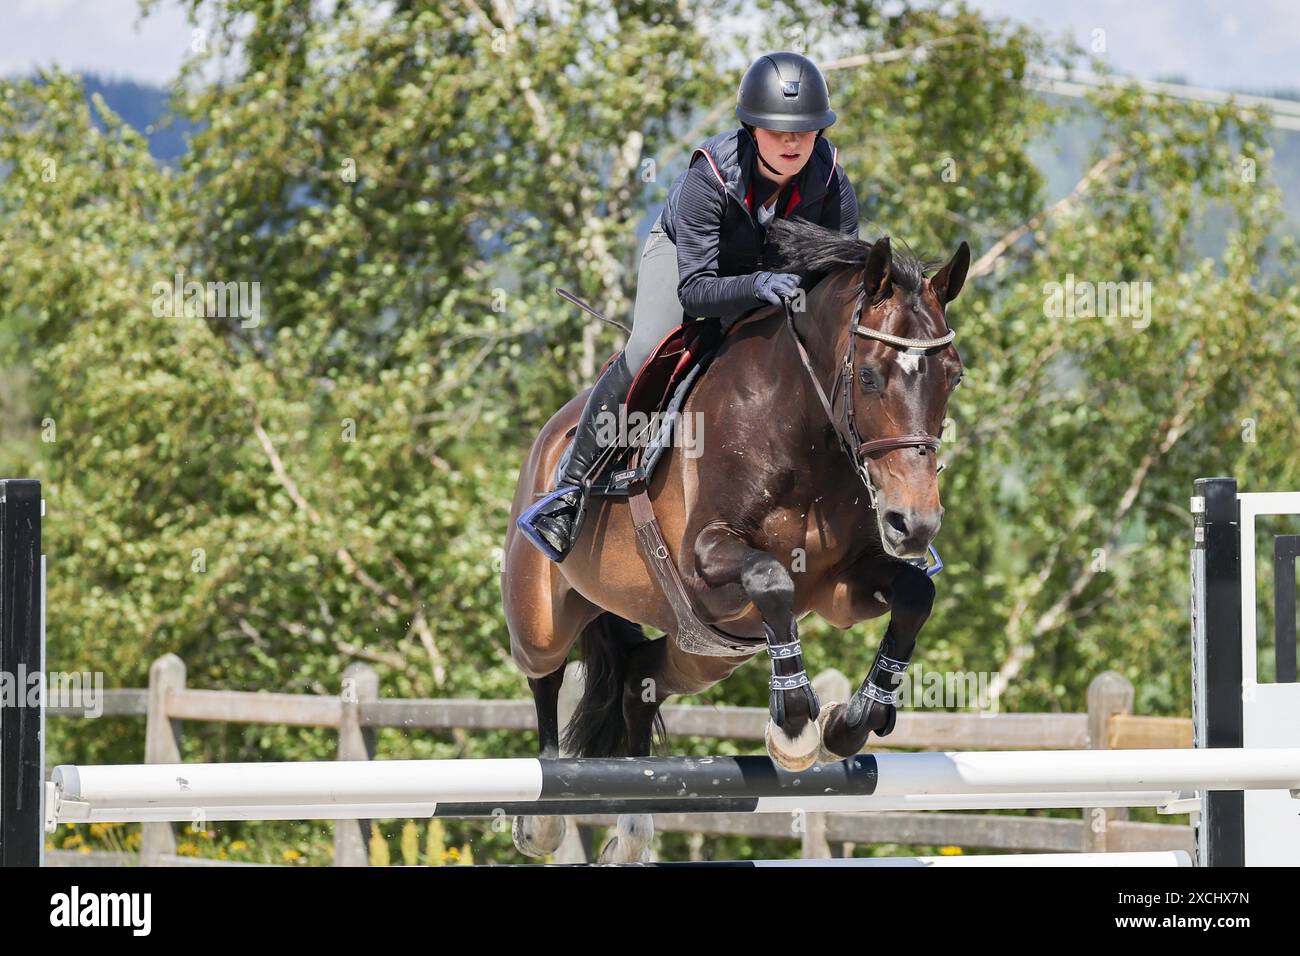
<point x="537" y="836"/>
<point x="841" y="740"/>
<point x="796" y="753"/>
<point x="891" y="718"/>
<point x="826" y="754"/>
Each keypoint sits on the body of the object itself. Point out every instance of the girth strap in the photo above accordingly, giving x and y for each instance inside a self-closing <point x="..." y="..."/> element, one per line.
<point x="692" y="634"/>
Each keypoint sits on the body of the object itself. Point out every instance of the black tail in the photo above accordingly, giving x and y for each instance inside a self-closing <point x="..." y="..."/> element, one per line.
<point x="598" y="728"/>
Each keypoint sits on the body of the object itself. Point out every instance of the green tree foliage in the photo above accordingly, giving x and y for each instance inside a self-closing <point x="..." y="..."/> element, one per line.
<point x="273" y="500"/>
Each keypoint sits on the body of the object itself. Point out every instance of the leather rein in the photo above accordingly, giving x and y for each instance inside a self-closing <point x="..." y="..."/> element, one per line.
<point x="846" y="431"/>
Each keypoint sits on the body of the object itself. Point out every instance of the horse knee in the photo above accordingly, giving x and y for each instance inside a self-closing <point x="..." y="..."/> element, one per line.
<point x="764" y="577"/>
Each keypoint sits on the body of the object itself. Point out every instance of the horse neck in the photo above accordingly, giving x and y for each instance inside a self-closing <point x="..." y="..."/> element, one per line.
<point x="765" y="381"/>
<point x="824" y="328"/>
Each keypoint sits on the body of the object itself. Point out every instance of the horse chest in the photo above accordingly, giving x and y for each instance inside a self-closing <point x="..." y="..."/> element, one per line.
<point x="807" y="538"/>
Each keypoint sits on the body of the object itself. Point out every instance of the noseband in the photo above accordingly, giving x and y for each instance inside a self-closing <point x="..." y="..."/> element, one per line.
<point x="845" y="427"/>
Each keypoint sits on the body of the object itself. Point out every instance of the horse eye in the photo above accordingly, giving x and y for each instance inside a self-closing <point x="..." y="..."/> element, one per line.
<point x="955" y="381"/>
<point x="870" y="378"/>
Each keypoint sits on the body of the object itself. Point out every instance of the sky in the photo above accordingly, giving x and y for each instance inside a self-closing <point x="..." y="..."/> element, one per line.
<point x="1251" y="45"/>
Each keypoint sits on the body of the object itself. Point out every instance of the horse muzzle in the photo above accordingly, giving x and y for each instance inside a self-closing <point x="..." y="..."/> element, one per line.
<point x="908" y="532"/>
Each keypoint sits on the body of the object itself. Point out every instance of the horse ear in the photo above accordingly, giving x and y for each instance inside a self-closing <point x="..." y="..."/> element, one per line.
<point x="875" y="276"/>
<point x="947" y="282"/>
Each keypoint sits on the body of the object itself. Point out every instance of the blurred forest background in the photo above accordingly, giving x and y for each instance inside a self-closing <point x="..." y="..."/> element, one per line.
<point x="273" y="503"/>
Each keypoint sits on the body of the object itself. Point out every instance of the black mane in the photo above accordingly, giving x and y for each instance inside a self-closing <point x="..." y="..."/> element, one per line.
<point x="811" y="248"/>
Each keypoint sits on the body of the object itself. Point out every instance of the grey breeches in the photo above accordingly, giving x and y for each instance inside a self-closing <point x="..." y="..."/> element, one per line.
<point x="657" y="311"/>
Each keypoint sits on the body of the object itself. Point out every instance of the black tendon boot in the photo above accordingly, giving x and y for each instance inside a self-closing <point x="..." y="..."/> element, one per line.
<point x="554" y="522"/>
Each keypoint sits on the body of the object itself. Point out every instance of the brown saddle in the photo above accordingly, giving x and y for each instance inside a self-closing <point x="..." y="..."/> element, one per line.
<point x="658" y="391"/>
<point x="681" y="350"/>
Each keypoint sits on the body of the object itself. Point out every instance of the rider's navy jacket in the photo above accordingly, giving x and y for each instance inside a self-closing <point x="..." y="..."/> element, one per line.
<point x="710" y="217"/>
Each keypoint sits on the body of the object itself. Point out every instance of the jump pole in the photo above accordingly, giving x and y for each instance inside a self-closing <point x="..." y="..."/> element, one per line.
<point x="1150" y="858"/>
<point x="65" y="810"/>
<point x="376" y="789"/>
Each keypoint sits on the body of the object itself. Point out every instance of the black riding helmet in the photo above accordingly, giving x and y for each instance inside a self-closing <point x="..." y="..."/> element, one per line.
<point x="786" y="92"/>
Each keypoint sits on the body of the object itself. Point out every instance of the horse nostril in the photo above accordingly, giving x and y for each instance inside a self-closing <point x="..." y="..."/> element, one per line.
<point x="897" y="520"/>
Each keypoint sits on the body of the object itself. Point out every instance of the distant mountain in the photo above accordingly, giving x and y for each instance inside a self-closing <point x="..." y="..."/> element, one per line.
<point x="1063" y="156"/>
<point x="144" y="108"/>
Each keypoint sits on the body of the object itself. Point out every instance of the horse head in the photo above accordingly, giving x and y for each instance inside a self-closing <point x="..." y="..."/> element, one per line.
<point x="904" y="368"/>
<point x="895" y="369"/>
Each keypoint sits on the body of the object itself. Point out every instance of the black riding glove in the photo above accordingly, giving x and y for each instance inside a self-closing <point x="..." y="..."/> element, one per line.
<point x="771" y="286"/>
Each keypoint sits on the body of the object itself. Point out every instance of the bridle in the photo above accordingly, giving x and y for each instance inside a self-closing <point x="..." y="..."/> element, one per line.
<point x="846" y="430"/>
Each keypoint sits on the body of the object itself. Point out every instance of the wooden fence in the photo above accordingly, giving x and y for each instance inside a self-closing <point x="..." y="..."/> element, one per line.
<point x="358" y="711"/>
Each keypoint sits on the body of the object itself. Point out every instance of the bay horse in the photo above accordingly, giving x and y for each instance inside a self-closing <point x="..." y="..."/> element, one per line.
<point x="816" y="492"/>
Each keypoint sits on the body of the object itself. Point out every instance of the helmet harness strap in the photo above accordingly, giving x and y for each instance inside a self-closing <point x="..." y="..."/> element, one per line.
<point x="758" y="151"/>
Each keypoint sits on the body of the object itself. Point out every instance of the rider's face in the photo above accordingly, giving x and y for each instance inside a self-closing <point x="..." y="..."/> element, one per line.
<point x="787" y="152"/>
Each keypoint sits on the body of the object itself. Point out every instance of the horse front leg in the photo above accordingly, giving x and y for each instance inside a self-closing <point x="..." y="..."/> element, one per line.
<point x="724" y="558"/>
<point x="874" y="707"/>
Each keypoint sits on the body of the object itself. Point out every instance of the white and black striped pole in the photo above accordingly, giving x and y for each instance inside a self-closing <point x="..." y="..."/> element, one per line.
<point x="387" y="789"/>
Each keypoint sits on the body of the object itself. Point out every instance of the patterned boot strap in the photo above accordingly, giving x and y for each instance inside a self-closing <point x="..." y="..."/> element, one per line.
<point x="789" y="681"/>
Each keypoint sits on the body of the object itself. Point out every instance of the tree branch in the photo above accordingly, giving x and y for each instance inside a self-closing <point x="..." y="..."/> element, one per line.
<point x="984" y="264"/>
<point x="350" y="566"/>
<point x="1167" y="434"/>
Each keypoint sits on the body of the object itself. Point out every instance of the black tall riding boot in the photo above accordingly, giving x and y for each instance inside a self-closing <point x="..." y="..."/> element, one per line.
<point x="554" y="523"/>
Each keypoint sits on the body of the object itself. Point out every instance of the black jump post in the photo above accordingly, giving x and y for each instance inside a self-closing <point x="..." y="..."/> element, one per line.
<point x="22" y="626"/>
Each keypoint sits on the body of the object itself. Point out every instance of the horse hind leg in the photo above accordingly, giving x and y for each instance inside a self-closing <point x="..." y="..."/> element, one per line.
<point x="643" y="694"/>
<point x="598" y="728"/>
<point x="539" y="836"/>
<point x="544" y="621"/>
<point x="655" y="671"/>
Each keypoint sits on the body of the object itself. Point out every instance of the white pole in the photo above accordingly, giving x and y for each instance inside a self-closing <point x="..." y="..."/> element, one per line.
<point x="304" y="783"/>
<point x="1098" y="770"/>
